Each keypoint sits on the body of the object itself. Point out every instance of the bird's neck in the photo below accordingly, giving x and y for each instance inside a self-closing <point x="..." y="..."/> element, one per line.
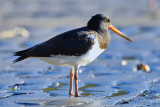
<point x="106" y="36"/>
<point x="103" y="39"/>
<point x="102" y="32"/>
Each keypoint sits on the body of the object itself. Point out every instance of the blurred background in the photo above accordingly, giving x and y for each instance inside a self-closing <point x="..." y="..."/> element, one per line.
<point x="24" y="23"/>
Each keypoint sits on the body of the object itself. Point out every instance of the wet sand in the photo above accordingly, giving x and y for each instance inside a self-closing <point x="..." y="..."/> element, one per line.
<point x="111" y="80"/>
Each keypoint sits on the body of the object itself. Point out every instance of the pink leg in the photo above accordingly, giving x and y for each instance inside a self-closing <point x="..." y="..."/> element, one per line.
<point x="76" y="83"/>
<point x="71" y="83"/>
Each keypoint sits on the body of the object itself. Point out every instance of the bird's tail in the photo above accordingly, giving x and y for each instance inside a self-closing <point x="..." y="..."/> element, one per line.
<point x="23" y="55"/>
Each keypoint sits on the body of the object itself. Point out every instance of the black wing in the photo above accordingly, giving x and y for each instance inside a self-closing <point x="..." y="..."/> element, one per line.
<point x="72" y="43"/>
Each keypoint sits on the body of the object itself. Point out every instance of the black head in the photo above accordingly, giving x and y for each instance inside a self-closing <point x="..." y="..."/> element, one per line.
<point x="99" y="22"/>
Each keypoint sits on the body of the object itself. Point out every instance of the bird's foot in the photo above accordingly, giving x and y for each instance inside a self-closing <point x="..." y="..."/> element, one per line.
<point x="71" y="94"/>
<point x="77" y="95"/>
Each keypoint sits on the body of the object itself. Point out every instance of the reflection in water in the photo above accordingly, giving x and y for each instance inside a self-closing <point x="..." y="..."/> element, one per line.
<point x="28" y="104"/>
<point x="65" y="102"/>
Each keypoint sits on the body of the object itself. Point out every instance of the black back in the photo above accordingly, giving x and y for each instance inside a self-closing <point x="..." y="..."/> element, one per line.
<point x="71" y="43"/>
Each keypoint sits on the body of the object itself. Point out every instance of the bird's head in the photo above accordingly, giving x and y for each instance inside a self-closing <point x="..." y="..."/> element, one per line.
<point x="102" y="23"/>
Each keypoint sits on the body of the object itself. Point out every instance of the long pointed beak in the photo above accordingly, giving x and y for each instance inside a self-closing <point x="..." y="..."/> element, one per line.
<point x="111" y="27"/>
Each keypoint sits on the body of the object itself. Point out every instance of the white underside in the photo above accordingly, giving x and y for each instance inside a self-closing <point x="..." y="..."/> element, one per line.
<point x="73" y="61"/>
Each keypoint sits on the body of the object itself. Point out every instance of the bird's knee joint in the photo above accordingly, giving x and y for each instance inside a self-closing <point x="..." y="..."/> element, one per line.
<point x="76" y="77"/>
<point x="71" y="74"/>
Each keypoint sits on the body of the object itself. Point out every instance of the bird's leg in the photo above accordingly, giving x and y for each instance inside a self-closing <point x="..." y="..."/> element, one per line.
<point x="76" y="83"/>
<point x="71" y="82"/>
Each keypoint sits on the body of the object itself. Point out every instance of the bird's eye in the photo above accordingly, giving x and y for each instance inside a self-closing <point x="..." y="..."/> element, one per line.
<point x="106" y="20"/>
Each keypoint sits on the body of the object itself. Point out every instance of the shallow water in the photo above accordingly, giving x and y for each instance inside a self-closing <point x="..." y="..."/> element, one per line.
<point x="112" y="79"/>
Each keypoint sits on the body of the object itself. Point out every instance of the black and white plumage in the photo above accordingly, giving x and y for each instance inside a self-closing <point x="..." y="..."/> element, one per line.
<point x="65" y="44"/>
<point x="74" y="48"/>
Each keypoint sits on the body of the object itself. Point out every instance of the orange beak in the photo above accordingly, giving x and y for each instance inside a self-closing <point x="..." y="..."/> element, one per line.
<point x="111" y="27"/>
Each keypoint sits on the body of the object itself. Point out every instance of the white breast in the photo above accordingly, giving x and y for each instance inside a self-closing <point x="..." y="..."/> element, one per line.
<point x="83" y="60"/>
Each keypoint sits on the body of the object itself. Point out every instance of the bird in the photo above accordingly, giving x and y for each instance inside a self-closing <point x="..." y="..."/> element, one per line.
<point x="74" y="48"/>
